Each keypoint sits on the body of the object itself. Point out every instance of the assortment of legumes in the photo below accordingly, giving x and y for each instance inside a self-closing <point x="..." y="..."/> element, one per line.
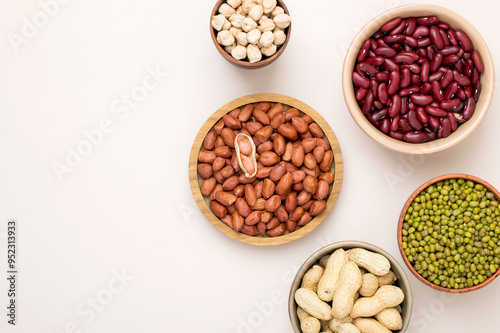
<point x="417" y="79"/>
<point x="266" y="169"/>
<point x="451" y="233"/>
<point x="251" y="29"/>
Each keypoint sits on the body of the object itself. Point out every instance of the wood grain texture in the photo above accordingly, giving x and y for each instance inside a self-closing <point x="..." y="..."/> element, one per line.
<point x="203" y="203"/>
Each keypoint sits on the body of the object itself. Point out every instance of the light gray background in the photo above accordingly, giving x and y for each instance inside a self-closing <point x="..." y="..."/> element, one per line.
<point x="127" y="206"/>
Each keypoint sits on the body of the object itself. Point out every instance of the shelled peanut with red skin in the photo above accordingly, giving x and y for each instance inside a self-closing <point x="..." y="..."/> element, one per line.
<point x="266" y="169"/>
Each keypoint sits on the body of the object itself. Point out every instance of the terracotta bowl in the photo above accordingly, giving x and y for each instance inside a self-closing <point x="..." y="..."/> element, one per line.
<point x="204" y="202"/>
<point x="400" y="228"/>
<point x="402" y="281"/>
<point x="487" y="79"/>
<point x="243" y="63"/>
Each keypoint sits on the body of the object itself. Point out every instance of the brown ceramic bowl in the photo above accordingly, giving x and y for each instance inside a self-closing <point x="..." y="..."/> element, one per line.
<point x="243" y="63"/>
<point x="402" y="281"/>
<point x="204" y="202"/>
<point x="401" y="221"/>
<point x="487" y="79"/>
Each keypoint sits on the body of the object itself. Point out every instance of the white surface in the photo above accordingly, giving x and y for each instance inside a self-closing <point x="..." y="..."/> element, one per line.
<point x="128" y="204"/>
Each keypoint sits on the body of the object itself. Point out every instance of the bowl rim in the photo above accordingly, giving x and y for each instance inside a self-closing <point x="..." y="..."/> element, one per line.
<point x="407" y="204"/>
<point x="487" y="80"/>
<point x="247" y="64"/>
<point x="261" y="240"/>
<point x="349" y="244"/>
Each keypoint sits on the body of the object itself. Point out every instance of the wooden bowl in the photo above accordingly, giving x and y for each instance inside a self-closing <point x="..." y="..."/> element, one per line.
<point x="400" y="228"/>
<point x="203" y="203"/>
<point x="402" y="281"/>
<point x="487" y="79"/>
<point x="243" y="63"/>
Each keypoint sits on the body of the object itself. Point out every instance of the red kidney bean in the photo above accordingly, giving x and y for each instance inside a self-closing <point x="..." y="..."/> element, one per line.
<point x="382" y="77"/>
<point x="422" y="115"/>
<point x="424" y="71"/>
<point x="361" y="94"/>
<point x="363" y="53"/>
<point x="385" y="125"/>
<point x="404" y="58"/>
<point x="395" y="107"/>
<point x="436" y="76"/>
<point x="397" y="135"/>
<point x="422" y="52"/>
<point x="375" y="61"/>
<point x="453" y="121"/>
<point x="437" y="92"/>
<point x="452" y="37"/>
<point x="382" y="93"/>
<point x="394" y="39"/>
<point x="395" y="123"/>
<point x="435" y="111"/>
<point x="404" y="125"/>
<point x="478" y="87"/>
<point x="464" y="40"/>
<point x="373" y="122"/>
<point x="387" y="52"/>
<point x="468" y="91"/>
<point x="405" y="78"/>
<point x="436" y="62"/>
<point x="421" y="100"/>
<point x="461" y="53"/>
<point x="422" y="42"/>
<point x="407" y="48"/>
<point x="420" y="31"/>
<point x="445" y="123"/>
<point x="444" y="35"/>
<point x="449" y="50"/>
<point x="470" y="107"/>
<point x="478" y="61"/>
<point x="411" y="25"/>
<point x="368" y="103"/>
<point x="461" y="94"/>
<point x="415" y="80"/>
<point x="414" y="68"/>
<point x="447" y="78"/>
<point x="428" y="20"/>
<point x="374" y="87"/>
<point x="461" y="79"/>
<point x="449" y="104"/>
<point x="475" y="76"/>
<point x="410" y="41"/>
<point x="410" y="104"/>
<point x="367" y="68"/>
<point x="430" y="51"/>
<point x="378" y="115"/>
<point x="413" y="120"/>
<point x="394" y="80"/>
<point x="408" y="91"/>
<point x="442" y="25"/>
<point x="451" y="90"/>
<point x="450" y="60"/>
<point x="416" y="137"/>
<point x="376" y="36"/>
<point x="360" y="81"/>
<point x="381" y="43"/>
<point x="399" y="29"/>
<point x="434" y="123"/>
<point x="377" y="104"/>
<point x="460" y="107"/>
<point x="426" y="88"/>
<point x="391" y="65"/>
<point x="391" y="25"/>
<point x="459" y="65"/>
<point x="436" y="37"/>
<point x="468" y="68"/>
